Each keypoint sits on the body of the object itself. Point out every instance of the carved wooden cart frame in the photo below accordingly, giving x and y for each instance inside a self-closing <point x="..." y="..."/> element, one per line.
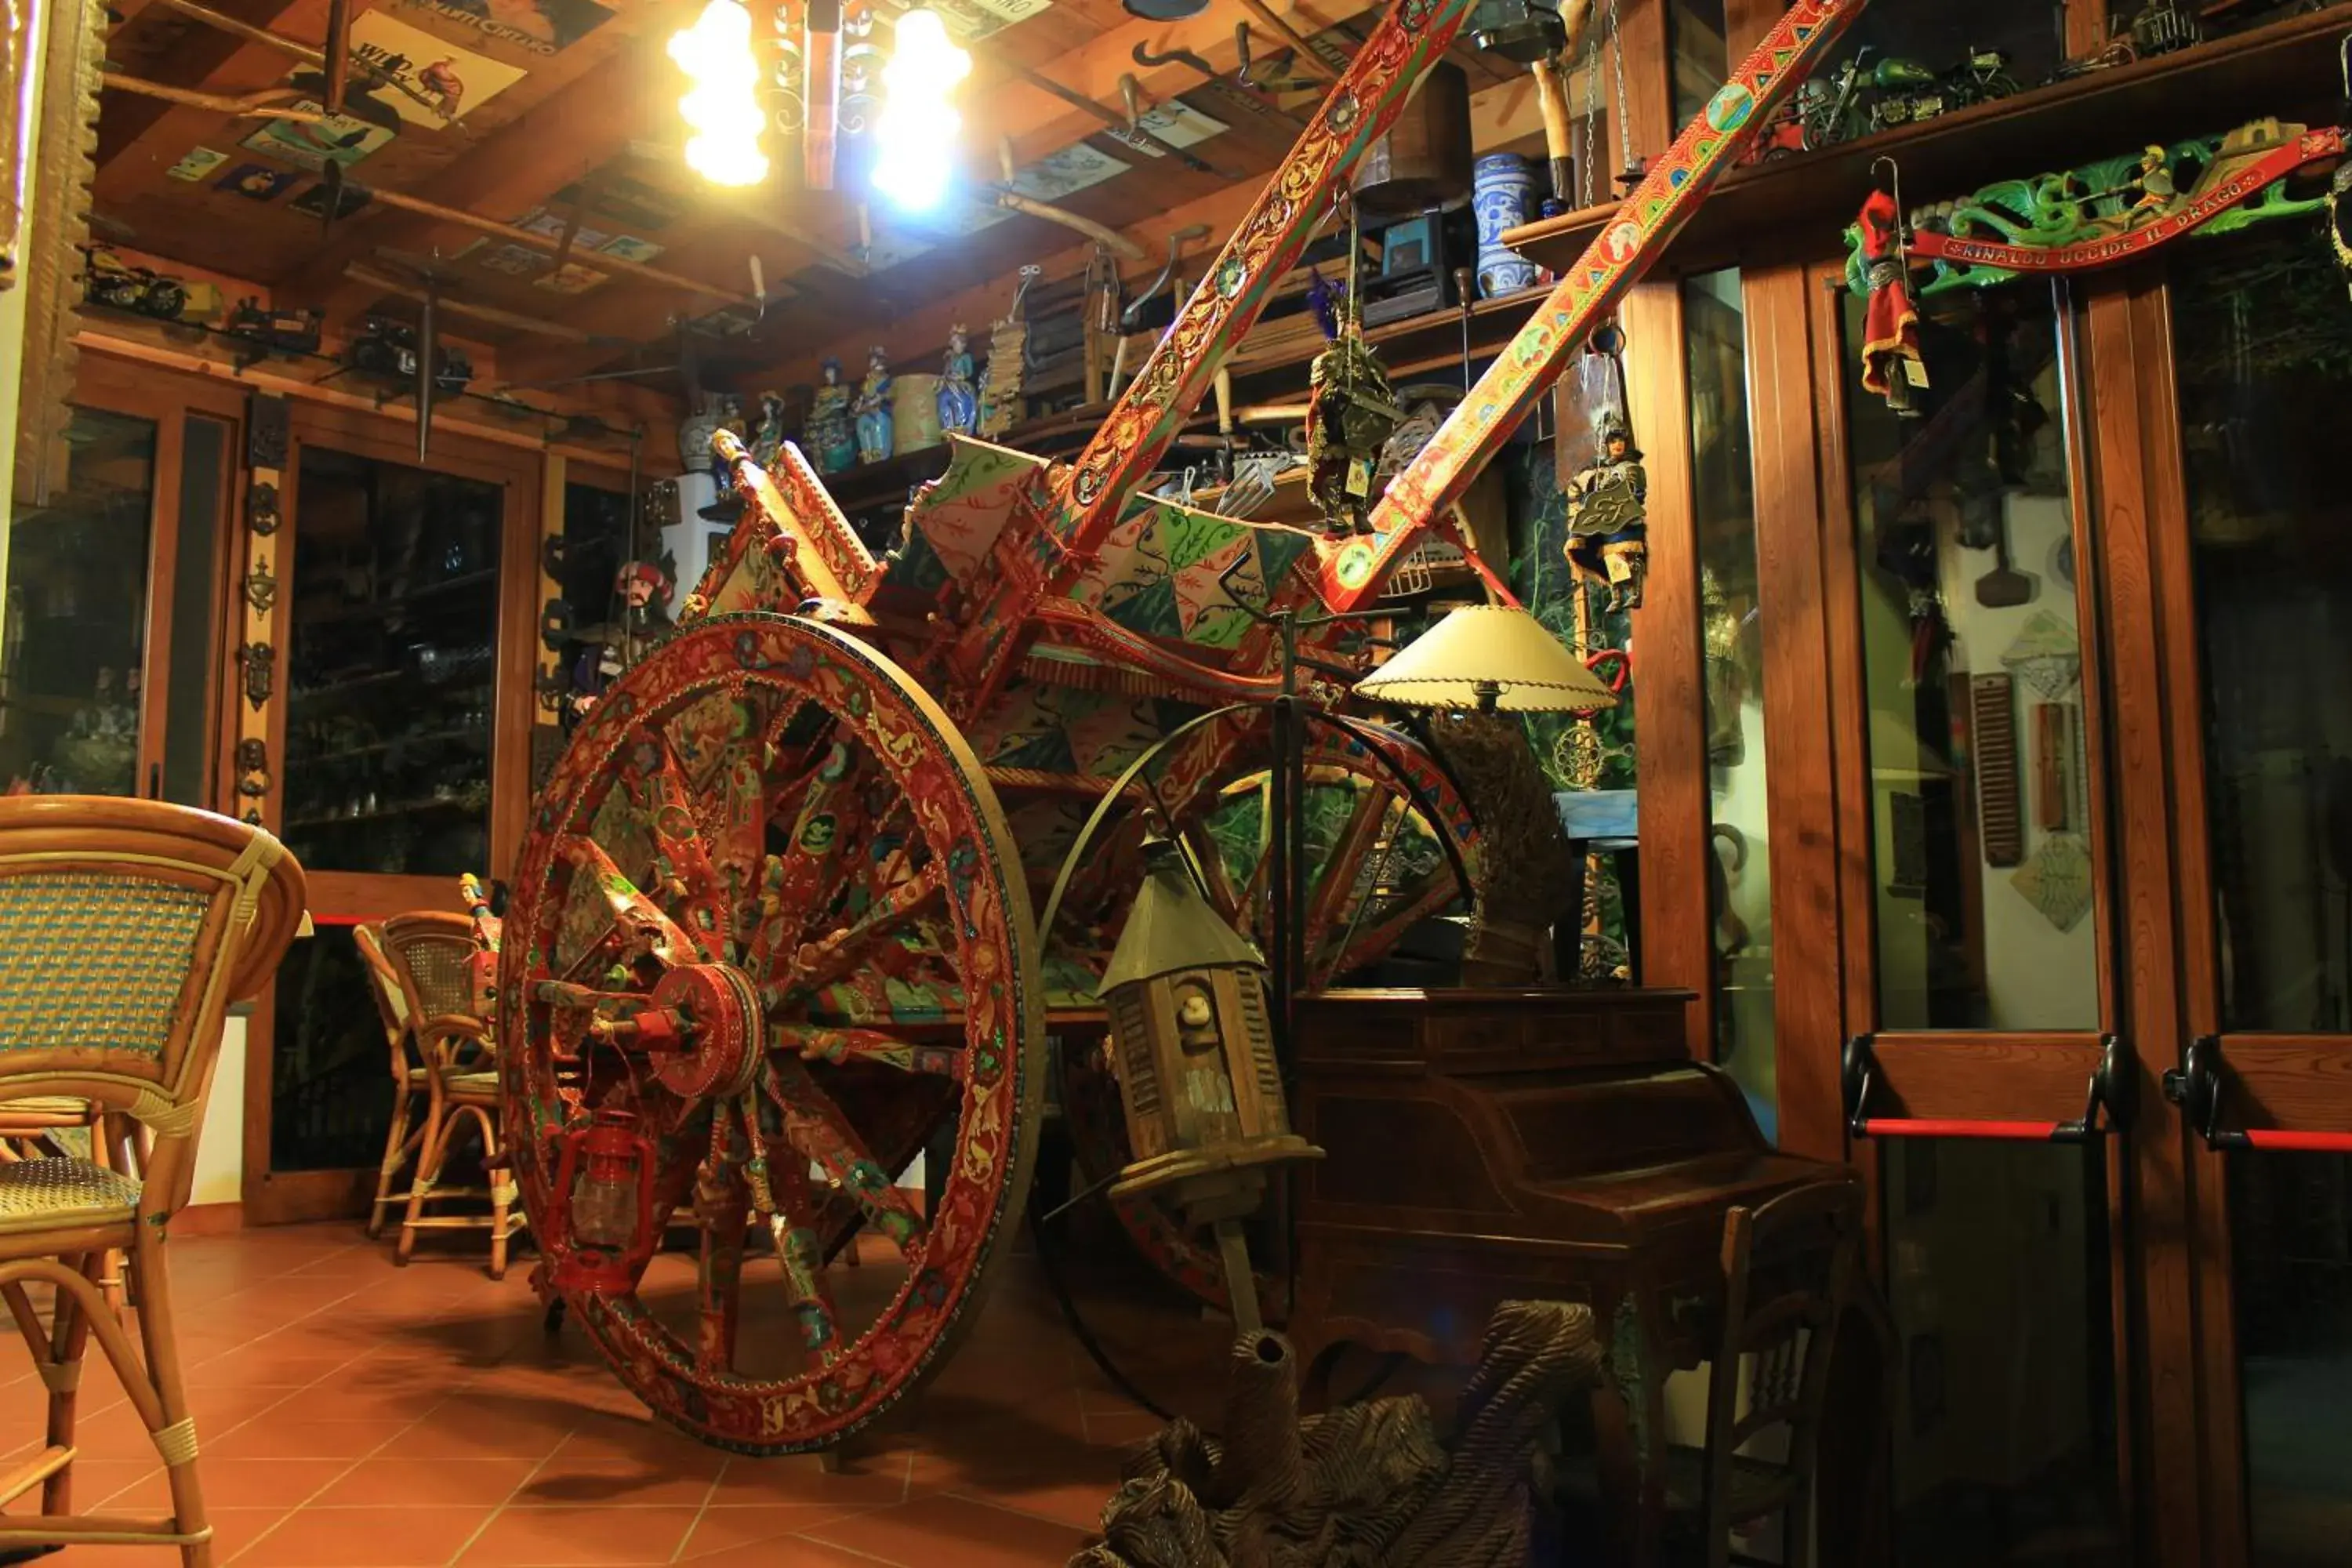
<point x="776" y="896"/>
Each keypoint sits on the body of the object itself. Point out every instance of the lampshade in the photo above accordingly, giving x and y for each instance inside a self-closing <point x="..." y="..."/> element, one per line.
<point x="1491" y="657"/>
<point x="1165" y="10"/>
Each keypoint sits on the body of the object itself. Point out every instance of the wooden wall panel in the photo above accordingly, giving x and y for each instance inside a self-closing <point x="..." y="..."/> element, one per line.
<point x="2187" y="1473"/>
<point x="1801" y="739"/>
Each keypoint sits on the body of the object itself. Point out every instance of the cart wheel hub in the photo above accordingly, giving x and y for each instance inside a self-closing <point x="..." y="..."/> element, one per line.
<point x="722" y="1053"/>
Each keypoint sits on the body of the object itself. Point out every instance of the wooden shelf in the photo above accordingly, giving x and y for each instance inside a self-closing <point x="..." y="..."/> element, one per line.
<point x="1795" y="207"/>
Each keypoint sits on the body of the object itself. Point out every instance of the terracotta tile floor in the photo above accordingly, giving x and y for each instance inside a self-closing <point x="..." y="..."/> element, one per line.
<point x="353" y="1414"/>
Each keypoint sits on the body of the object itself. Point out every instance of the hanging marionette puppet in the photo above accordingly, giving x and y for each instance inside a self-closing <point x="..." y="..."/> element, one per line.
<point x="642" y="594"/>
<point x="1351" y="410"/>
<point x="1891" y="365"/>
<point x="1607" y="534"/>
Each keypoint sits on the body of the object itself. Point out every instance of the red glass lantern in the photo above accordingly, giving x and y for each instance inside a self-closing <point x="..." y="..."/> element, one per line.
<point x="604" y="1201"/>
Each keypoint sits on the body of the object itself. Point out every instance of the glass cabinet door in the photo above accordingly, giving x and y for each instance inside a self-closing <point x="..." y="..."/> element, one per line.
<point x="392" y="657"/>
<point x="2262" y="350"/>
<point x="74" y="648"/>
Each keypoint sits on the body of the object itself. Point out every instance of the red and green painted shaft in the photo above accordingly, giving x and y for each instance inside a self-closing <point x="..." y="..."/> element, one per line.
<point x="1057" y="525"/>
<point x="1351" y="570"/>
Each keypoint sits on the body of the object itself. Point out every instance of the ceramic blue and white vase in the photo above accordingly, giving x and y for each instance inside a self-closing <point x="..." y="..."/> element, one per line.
<point x="1502" y="187"/>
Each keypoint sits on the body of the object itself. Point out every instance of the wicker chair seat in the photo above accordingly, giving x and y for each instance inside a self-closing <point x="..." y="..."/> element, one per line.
<point x="481" y="1086"/>
<point x="44" y="1195"/>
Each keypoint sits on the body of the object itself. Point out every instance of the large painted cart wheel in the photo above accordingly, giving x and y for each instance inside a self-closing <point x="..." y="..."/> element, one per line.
<point x="1377" y="862"/>
<point x="769" y="902"/>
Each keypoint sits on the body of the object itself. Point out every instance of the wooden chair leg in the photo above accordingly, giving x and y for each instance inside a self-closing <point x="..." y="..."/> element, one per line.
<point x="61" y="1370"/>
<point x="396" y="1145"/>
<point x="175" y="1440"/>
<point x="501" y="1194"/>
<point x="107" y="1156"/>
<point x="438" y="1125"/>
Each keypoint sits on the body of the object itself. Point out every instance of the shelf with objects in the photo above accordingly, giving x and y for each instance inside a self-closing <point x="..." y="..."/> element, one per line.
<point x="2287" y="67"/>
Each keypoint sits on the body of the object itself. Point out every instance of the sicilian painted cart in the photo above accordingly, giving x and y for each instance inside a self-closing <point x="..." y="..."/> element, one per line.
<point x="771" y="933"/>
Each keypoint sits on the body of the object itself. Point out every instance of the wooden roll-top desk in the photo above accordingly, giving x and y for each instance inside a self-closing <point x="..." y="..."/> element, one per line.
<point x="1489" y="1145"/>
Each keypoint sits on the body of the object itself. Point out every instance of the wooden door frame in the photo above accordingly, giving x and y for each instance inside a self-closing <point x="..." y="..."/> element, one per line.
<point x="118" y="387"/>
<point x="342" y="899"/>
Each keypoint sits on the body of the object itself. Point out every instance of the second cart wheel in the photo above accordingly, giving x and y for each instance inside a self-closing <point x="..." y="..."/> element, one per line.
<point x="1376" y="865"/>
<point x="770" y="904"/>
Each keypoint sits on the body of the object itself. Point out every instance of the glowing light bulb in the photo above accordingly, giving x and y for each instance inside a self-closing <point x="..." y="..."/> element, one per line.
<point x="915" y="135"/>
<point x="721" y="107"/>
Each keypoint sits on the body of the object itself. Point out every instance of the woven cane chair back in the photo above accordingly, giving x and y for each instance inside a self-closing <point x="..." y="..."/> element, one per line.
<point x="126" y="929"/>
<point x="433" y="955"/>
<point x="391" y="1001"/>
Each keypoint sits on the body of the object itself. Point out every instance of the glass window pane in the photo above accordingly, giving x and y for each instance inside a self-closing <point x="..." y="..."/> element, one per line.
<point x="1972" y="669"/>
<point x="2291" y="1249"/>
<point x="2005" y="1437"/>
<point x="605" y="627"/>
<point x="1702" y="55"/>
<point x="190" y="689"/>
<point x="2264" y="352"/>
<point x="331" y="1079"/>
<point x="1724" y="504"/>
<point x="76" y="637"/>
<point x="393" y="667"/>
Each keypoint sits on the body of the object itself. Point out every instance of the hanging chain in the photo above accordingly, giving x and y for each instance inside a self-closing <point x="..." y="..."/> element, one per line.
<point x="1624" y="102"/>
<point x="1586" y="196"/>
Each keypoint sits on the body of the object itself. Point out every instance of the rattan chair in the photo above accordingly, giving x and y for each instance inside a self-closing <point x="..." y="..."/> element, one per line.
<point x="126" y="927"/>
<point x="410" y="1091"/>
<point x="433" y="955"/>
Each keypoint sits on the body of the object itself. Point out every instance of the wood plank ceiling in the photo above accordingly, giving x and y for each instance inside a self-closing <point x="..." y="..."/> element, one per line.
<point x="566" y="115"/>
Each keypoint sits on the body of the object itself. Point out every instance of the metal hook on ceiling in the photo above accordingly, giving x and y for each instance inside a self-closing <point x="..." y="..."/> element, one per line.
<point x="1176" y="244"/>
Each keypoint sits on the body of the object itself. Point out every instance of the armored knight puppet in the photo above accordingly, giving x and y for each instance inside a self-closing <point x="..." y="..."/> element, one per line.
<point x="1351" y="414"/>
<point x="1607" y="528"/>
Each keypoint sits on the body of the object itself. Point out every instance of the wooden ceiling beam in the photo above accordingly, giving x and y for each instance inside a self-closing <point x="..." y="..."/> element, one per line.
<point x="139" y="138"/>
<point x="607" y="102"/>
<point x="999" y="104"/>
<point x="1500" y="115"/>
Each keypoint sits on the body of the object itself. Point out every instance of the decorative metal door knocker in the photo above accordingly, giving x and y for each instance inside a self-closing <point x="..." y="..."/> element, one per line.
<point x="260" y="660"/>
<point x="252" y="768"/>
<point x="261" y="508"/>
<point x="260" y="588"/>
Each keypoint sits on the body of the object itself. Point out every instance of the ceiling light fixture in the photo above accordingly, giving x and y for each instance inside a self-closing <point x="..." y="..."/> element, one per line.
<point x="721" y="107"/>
<point x="917" y="130"/>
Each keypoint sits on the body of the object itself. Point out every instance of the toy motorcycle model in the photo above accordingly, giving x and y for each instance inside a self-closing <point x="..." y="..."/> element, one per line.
<point x="1839" y="113"/>
<point x="1982" y="76"/>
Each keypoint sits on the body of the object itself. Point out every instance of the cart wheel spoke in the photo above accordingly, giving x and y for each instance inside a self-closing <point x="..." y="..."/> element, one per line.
<point x="692" y="886"/>
<point x="818" y="964"/>
<point x="639" y="929"/>
<point x="801" y="1254"/>
<point x="1339" y="889"/>
<point x="724" y="1210"/>
<point x="846" y="1047"/>
<point x="815" y="1129"/>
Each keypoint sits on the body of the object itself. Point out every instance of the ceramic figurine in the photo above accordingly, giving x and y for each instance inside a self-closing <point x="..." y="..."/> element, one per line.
<point x="1607" y="533"/>
<point x="726" y="505"/>
<point x="694" y="433"/>
<point x="1502" y="184"/>
<point x="768" y="438"/>
<point x="873" y="406"/>
<point x="831" y="438"/>
<point x="958" y="399"/>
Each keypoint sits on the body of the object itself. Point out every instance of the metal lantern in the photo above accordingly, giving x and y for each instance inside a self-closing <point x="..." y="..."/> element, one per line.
<point x="1193" y="1045"/>
<point x="603" y="1200"/>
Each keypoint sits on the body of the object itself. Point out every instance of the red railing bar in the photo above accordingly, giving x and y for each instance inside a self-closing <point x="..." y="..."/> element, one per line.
<point x="2283" y="1142"/>
<point x="1937" y="1127"/>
